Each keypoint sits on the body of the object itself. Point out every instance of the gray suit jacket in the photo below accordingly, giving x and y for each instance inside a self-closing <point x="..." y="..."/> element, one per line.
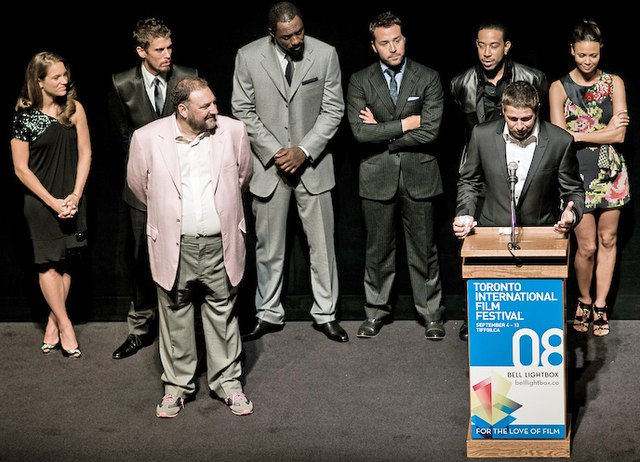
<point x="385" y="149"/>
<point x="306" y="114"/>
<point x="552" y="181"/>
<point x="130" y="108"/>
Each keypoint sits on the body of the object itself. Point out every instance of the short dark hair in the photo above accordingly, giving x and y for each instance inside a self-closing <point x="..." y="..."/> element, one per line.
<point x="495" y="25"/>
<point x="282" y="12"/>
<point x="185" y="87"/>
<point x="149" y="29"/>
<point x="521" y="94"/>
<point x="386" y="19"/>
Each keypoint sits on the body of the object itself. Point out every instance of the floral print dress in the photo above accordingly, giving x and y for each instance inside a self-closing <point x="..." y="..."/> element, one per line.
<point x="602" y="167"/>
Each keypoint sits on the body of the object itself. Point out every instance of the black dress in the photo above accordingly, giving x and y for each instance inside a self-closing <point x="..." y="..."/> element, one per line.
<point x="53" y="158"/>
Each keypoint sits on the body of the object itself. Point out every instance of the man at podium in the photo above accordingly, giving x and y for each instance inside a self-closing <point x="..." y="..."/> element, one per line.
<point x="521" y="160"/>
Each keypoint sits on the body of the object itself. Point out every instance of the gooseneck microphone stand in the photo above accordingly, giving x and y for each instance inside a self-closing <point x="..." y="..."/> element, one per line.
<point x="513" y="179"/>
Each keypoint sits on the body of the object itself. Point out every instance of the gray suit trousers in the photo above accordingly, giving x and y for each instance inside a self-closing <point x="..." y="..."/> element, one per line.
<point x="316" y="215"/>
<point x="201" y="270"/>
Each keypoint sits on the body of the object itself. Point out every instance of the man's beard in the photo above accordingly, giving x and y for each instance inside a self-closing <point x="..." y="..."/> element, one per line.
<point x="493" y="72"/>
<point x="207" y="125"/>
<point x="296" y="55"/>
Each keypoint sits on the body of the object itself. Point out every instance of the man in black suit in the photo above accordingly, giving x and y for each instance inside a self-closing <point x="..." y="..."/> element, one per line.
<point x="548" y="190"/>
<point x="137" y="97"/>
<point x="394" y="107"/>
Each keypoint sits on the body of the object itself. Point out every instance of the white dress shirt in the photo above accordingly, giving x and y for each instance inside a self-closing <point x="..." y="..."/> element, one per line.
<point x="199" y="214"/>
<point x="148" y="78"/>
<point x="521" y="152"/>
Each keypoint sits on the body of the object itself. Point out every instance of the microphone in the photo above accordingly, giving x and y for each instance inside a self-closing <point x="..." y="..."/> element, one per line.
<point x="512" y="168"/>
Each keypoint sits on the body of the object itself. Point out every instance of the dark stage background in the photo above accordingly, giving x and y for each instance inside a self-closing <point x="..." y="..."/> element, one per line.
<point x="207" y="38"/>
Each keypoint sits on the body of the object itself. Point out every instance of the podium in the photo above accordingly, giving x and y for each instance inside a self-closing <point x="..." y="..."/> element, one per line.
<point x="517" y="349"/>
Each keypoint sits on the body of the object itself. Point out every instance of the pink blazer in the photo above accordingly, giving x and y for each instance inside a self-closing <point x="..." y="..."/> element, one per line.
<point x="153" y="174"/>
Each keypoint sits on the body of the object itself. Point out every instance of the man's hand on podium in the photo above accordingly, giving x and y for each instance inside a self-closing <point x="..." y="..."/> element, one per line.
<point x="462" y="225"/>
<point x="567" y="219"/>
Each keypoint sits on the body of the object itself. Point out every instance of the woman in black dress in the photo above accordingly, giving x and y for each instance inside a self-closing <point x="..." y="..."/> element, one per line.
<point x="51" y="153"/>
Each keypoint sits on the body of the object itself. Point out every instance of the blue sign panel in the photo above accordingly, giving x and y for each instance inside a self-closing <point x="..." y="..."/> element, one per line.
<point x="516" y="358"/>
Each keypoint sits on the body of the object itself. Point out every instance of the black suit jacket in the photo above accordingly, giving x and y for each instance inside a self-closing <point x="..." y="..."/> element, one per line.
<point x="553" y="178"/>
<point x="130" y="108"/>
<point x="385" y="148"/>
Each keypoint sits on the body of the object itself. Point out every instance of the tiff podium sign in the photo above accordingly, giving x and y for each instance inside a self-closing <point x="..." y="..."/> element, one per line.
<point x="516" y="358"/>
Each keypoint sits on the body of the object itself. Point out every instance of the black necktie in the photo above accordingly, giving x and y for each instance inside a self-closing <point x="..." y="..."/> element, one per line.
<point x="157" y="96"/>
<point x="393" y="85"/>
<point x="288" y="72"/>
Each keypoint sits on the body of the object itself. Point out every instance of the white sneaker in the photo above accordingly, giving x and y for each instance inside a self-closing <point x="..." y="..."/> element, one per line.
<point x="169" y="407"/>
<point x="239" y="404"/>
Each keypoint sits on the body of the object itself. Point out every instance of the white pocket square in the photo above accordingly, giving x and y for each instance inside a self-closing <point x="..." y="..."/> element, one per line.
<point x="413" y="98"/>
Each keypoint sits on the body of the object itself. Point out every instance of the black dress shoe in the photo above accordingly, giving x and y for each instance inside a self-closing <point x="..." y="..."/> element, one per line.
<point x="369" y="328"/>
<point x="333" y="331"/>
<point x="464" y="331"/>
<point x="129" y="348"/>
<point x="261" y="328"/>
<point x="435" y="330"/>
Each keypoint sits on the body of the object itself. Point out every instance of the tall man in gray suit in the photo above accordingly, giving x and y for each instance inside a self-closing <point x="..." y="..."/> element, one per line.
<point x="137" y="97"/>
<point x="287" y="90"/>
<point x="395" y="109"/>
<point x="548" y="189"/>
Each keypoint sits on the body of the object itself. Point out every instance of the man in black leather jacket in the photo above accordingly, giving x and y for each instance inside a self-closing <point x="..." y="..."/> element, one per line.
<point x="478" y="90"/>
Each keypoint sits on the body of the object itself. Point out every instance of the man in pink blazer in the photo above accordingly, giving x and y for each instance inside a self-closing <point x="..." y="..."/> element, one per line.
<point x="190" y="170"/>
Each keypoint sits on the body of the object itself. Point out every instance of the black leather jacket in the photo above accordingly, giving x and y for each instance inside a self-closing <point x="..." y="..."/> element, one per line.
<point x="464" y="89"/>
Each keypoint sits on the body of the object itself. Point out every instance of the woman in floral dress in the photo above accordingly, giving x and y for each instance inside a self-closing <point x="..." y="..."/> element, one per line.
<point x="591" y="105"/>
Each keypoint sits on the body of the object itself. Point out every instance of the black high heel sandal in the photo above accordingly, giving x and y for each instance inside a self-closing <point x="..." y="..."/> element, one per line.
<point x="581" y="321"/>
<point x="47" y="348"/>
<point x="600" y="324"/>
<point x="74" y="353"/>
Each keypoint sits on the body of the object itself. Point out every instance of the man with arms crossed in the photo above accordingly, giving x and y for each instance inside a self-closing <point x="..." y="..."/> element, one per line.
<point x="395" y="110"/>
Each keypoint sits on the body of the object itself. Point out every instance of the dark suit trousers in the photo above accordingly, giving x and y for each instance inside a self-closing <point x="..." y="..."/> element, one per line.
<point x="144" y="304"/>
<point x="381" y="221"/>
